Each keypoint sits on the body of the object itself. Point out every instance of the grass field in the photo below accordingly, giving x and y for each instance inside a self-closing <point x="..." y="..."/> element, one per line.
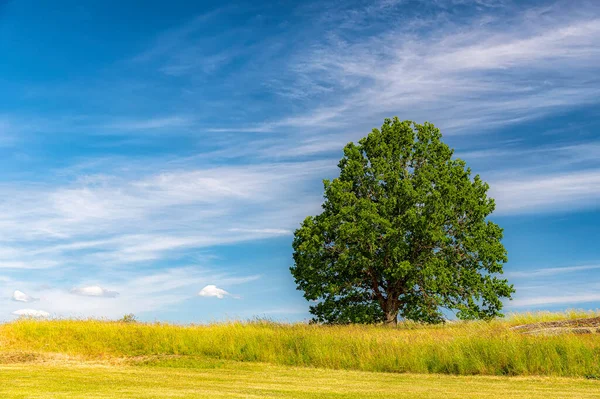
<point x="472" y="348"/>
<point x="87" y="358"/>
<point x="256" y="380"/>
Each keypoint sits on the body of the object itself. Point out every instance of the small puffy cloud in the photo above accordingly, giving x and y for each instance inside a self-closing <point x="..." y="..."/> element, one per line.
<point x="213" y="291"/>
<point x="30" y="313"/>
<point x="94" y="290"/>
<point x="20" y="296"/>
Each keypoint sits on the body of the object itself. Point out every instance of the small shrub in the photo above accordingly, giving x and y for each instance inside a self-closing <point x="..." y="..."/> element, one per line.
<point x="128" y="318"/>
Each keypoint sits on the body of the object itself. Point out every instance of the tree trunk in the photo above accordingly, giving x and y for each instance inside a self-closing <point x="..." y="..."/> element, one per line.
<point x="391" y="319"/>
<point x="391" y="313"/>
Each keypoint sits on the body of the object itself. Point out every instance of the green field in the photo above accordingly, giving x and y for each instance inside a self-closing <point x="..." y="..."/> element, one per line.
<point x="255" y="380"/>
<point x="103" y="359"/>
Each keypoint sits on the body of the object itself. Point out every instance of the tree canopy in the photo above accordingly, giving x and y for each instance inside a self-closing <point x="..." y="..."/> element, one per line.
<point x="404" y="232"/>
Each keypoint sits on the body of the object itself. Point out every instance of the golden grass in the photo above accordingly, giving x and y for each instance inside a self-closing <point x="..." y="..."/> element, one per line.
<point x="461" y="348"/>
<point x="259" y="380"/>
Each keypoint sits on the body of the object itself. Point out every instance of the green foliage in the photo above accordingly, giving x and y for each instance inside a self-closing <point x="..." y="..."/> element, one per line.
<point x="403" y="231"/>
<point x="128" y="318"/>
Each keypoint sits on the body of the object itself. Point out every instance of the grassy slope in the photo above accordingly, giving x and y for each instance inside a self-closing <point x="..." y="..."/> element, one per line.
<point x="256" y="380"/>
<point x="456" y="348"/>
<point x="93" y="359"/>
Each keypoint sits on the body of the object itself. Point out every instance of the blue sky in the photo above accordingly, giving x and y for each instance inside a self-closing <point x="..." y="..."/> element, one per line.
<point x="153" y="149"/>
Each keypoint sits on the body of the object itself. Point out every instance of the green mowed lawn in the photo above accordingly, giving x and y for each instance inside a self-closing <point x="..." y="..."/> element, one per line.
<point x="256" y="380"/>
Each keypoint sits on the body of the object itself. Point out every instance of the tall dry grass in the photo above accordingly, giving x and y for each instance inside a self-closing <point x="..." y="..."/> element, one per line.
<point x="466" y="348"/>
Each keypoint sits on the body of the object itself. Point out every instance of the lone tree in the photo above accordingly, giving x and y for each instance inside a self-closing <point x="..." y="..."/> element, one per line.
<point x="403" y="232"/>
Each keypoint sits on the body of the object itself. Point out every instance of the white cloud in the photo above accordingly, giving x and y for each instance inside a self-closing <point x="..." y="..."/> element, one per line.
<point x="537" y="49"/>
<point x="496" y="70"/>
<point x="146" y="124"/>
<point x="169" y="43"/>
<point x="213" y="291"/>
<point x="20" y="296"/>
<point x="577" y="153"/>
<point x="556" y="300"/>
<point x="535" y="193"/>
<point x="94" y="291"/>
<point x="140" y="291"/>
<point x="552" y="271"/>
<point x="94" y="222"/>
<point x="31" y="313"/>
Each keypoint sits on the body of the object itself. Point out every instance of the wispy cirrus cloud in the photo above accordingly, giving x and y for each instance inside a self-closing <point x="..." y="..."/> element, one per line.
<point x="550" y="300"/>
<point x="468" y="74"/>
<point x="173" y="39"/>
<point x="555" y="287"/>
<point x="536" y="193"/>
<point x="117" y="220"/>
<point x="146" y="124"/>
<point x="489" y="73"/>
<point x="551" y="271"/>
